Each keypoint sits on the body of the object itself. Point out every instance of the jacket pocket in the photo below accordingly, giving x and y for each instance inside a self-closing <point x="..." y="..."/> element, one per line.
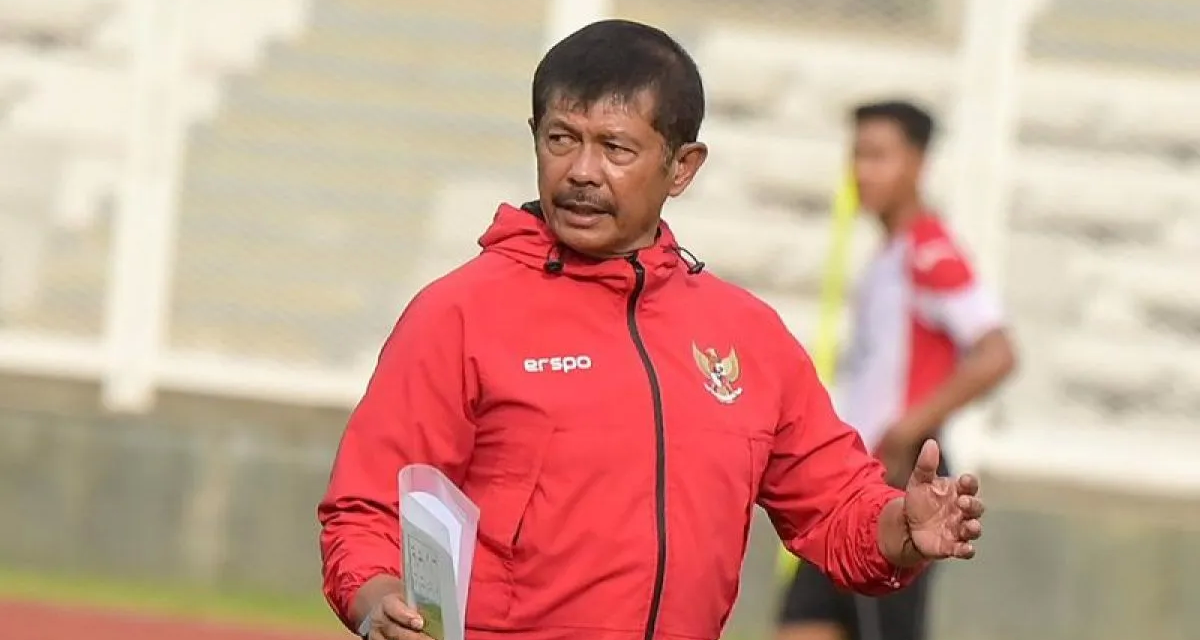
<point x="518" y="527"/>
<point x="516" y="538"/>
<point x="760" y="455"/>
<point x="715" y="475"/>
<point x="503" y="513"/>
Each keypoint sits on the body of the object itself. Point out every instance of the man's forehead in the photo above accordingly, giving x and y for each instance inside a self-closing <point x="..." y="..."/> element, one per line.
<point x="613" y="106"/>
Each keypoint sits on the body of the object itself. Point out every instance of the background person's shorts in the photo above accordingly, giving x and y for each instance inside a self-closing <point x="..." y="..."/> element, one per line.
<point x="899" y="616"/>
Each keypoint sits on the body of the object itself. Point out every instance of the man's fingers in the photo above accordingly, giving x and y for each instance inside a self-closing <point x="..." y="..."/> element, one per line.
<point x="395" y="610"/>
<point x="970" y="530"/>
<point x="393" y="631"/>
<point x="972" y="507"/>
<point x="396" y="621"/>
<point x="927" y="463"/>
<point x="968" y="485"/>
<point x="964" y="551"/>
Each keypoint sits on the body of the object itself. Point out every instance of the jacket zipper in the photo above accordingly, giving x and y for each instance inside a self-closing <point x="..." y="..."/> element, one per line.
<point x="660" y="454"/>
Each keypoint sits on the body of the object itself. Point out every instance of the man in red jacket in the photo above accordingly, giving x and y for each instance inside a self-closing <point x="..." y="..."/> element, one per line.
<point x="614" y="410"/>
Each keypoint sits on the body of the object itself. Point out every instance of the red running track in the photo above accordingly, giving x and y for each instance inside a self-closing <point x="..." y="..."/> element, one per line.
<point x="28" y="621"/>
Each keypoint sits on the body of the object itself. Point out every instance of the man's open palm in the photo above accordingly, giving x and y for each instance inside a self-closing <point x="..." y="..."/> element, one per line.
<point x="942" y="513"/>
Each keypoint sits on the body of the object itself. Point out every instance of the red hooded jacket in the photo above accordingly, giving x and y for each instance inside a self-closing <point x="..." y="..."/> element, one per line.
<point x="616" y="422"/>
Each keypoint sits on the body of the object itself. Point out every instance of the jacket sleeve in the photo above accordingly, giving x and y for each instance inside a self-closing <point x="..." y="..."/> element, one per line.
<point x="416" y="409"/>
<point x="823" y="491"/>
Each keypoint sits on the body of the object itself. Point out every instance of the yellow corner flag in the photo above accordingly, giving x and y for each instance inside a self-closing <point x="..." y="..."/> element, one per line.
<point x="833" y="301"/>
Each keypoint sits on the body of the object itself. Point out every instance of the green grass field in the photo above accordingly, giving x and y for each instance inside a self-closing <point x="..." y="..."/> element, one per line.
<point x="234" y="606"/>
<point x="243" y="607"/>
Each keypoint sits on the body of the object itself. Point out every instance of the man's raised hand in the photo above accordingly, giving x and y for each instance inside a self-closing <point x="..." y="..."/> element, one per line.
<point x="942" y="514"/>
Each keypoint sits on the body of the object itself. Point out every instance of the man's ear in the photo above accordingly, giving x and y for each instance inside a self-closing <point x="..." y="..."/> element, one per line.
<point x="688" y="160"/>
<point x="533" y="128"/>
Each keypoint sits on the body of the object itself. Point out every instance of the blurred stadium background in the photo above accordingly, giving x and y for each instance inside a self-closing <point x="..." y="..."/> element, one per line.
<point x="211" y="212"/>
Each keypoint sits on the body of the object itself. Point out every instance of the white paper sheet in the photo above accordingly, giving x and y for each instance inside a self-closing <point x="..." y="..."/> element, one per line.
<point x="439" y="525"/>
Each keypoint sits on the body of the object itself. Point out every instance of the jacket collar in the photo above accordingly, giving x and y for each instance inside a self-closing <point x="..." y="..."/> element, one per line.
<point x="521" y="234"/>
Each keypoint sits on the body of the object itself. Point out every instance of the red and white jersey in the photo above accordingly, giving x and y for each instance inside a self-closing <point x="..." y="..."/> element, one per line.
<point x="917" y="306"/>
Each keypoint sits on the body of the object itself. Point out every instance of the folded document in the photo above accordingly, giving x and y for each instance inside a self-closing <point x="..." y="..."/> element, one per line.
<point x="438" y="526"/>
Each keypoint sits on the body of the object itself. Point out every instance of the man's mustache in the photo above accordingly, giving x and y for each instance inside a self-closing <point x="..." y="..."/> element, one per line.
<point x="582" y="200"/>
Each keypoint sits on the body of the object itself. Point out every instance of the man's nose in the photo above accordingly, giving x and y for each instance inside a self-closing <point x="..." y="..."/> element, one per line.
<point x="586" y="166"/>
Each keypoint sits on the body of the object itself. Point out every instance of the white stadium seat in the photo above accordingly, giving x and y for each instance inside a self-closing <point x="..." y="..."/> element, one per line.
<point x="1116" y="106"/>
<point x="1182" y="232"/>
<point x="1148" y="372"/>
<point x="1114" y="312"/>
<point x="1134" y="193"/>
<point x="740" y="78"/>
<point x="812" y="83"/>
<point x="54" y="89"/>
<point x="66" y="20"/>
<point x="1153" y="278"/>
<point x="1106" y="188"/>
<point x="1032" y="394"/>
<point x="753" y="247"/>
<point x="87" y="182"/>
<point x="1104" y="363"/>
<point x="1055" y="99"/>
<point x="1044" y="277"/>
<point x="30" y="169"/>
<point x="780" y="160"/>
<point x="1155" y="109"/>
<point x="224" y="36"/>
<point x="462" y="211"/>
<point x="51" y="106"/>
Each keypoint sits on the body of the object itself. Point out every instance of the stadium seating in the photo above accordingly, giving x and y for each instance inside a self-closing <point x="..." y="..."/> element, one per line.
<point x="62" y="22"/>
<point x="1105" y="212"/>
<point x="803" y="80"/>
<point x="27" y="181"/>
<point x="1133" y="33"/>
<point x="332" y="152"/>
<point x="65" y="87"/>
<point x="344" y="152"/>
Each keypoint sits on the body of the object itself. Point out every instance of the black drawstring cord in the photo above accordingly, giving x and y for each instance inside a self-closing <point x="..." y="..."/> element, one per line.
<point x="694" y="264"/>
<point x="554" y="262"/>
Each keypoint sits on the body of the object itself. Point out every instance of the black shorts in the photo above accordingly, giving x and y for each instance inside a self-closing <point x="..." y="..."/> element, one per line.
<point x="899" y="616"/>
<point x="812" y="597"/>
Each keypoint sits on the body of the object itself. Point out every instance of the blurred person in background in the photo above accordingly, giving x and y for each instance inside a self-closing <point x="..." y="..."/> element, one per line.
<point x="927" y="340"/>
<point x="614" y="410"/>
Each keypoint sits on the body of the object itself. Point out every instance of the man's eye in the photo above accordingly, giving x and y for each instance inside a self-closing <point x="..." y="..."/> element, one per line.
<point x="559" y="138"/>
<point x="616" y="148"/>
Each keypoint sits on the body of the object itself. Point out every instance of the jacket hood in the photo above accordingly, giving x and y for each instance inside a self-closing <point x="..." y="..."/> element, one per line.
<point x="521" y="234"/>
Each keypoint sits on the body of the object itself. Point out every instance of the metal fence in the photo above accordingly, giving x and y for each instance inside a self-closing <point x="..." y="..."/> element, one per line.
<point x="238" y="198"/>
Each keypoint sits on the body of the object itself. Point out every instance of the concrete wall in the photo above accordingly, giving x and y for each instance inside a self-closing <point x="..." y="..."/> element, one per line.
<point x="223" y="493"/>
<point x="210" y="491"/>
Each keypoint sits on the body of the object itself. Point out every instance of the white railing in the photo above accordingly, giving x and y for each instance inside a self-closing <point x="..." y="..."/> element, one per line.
<point x="144" y="228"/>
<point x="55" y="357"/>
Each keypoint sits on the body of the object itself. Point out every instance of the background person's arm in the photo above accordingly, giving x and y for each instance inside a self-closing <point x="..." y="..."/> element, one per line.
<point x="949" y="299"/>
<point x="985" y="365"/>
<point x="415" y="410"/>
